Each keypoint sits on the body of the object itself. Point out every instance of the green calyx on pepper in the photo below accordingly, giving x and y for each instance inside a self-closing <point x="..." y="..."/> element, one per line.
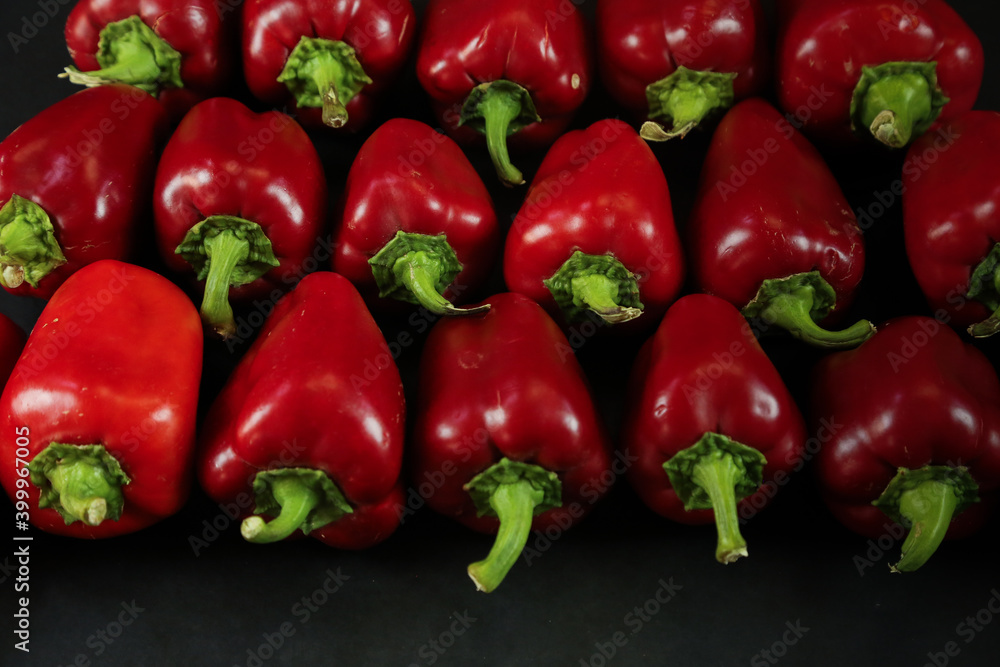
<point x="925" y="500"/>
<point x="419" y="268"/>
<point x="300" y="499"/>
<point x="81" y="482"/>
<point x="514" y="492"/>
<point x="713" y="474"/>
<point x="28" y="246"/>
<point x="129" y="51"/>
<point x="324" y="73"/>
<point x="225" y="251"/>
<point x="685" y="98"/>
<point x="595" y="283"/>
<point x="796" y="303"/>
<point x="498" y="109"/>
<point x="897" y="101"/>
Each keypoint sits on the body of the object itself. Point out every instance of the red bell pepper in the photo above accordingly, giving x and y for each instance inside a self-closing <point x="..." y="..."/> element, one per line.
<point x="332" y="59"/>
<point x="771" y="231"/>
<point x="513" y="70"/>
<point x="240" y="199"/>
<point x="709" y="421"/>
<point x="506" y="418"/>
<point x="917" y="438"/>
<point x="951" y="220"/>
<point x="596" y="232"/>
<point x="310" y="424"/>
<point x="75" y="181"/>
<point x="872" y="67"/>
<point x="100" y="410"/>
<point x="417" y="223"/>
<point x="180" y="51"/>
<point x="678" y="62"/>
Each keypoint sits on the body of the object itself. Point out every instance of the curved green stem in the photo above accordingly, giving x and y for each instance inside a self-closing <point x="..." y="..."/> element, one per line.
<point x="791" y="312"/>
<point x="599" y="293"/>
<point x="929" y="508"/>
<point x="131" y="52"/>
<point x="498" y="112"/>
<point x="514" y="505"/>
<point x="225" y="251"/>
<point x="324" y="73"/>
<point x="498" y="109"/>
<point x="685" y="98"/>
<point x="297" y="501"/>
<point x="420" y="274"/>
<point x="514" y="492"/>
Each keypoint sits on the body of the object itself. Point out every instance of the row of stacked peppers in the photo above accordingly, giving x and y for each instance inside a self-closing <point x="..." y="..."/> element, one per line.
<point x="99" y="439"/>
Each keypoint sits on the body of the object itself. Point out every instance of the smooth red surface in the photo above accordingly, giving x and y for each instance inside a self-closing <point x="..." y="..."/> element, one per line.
<point x="88" y="161"/>
<point x="768" y="207"/>
<point x="317" y="389"/>
<point x="640" y="42"/>
<point x="951" y="211"/>
<point x="912" y="395"/>
<point x="506" y="384"/>
<point x="822" y="47"/>
<point x="704" y="372"/>
<point x="115" y="359"/>
<point x="601" y="191"/>
<point x="541" y="45"/>
<point x="380" y="31"/>
<point x="202" y="31"/>
<point x="224" y="159"/>
<point x="409" y="177"/>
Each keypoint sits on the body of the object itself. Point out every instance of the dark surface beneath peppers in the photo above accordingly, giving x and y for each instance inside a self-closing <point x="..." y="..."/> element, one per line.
<point x="810" y="593"/>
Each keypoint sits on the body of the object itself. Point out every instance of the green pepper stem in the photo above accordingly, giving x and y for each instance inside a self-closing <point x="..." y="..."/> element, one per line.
<point x="929" y="507"/>
<point x="297" y="500"/>
<point x="790" y="311"/>
<point x="598" y="293"/>
<point x="498" y="111"/>
<point x="225" y="251"/>
<point x="894" y="105"/>
<point x="84" y="490"/>
<point x="136" y="64"/>
<point x="419" y="272"/>
<point x="718" y="477"/>
<point x="991" y="325"/>
<point x="326" y="74"/>
<point x="514" y="504"/>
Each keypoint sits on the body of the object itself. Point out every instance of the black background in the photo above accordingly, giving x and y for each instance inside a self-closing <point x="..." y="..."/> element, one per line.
<point x="399" y="602"/>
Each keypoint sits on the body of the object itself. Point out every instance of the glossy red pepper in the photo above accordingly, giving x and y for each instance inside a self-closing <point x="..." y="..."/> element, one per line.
<point x="180" y="51"/>
<point x="417" y="223"/>
<point x="712" y="427"/>
<point x="75" y="182"/>
<point x="513" y="70"/>
<point x="869" y="67"/>
<point x="240" y="199"/>
<point x="310" y="424"/>
<point x="677" y="62"/>
<point x="331" y="59"/>
<point x="915" y="435"/>
<point x="771" y="231"/>
<point x="951" y="220"/>
<point x="100" y="410"/>
<point x="596" y="231"/>
<point x="506" y="419"/>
